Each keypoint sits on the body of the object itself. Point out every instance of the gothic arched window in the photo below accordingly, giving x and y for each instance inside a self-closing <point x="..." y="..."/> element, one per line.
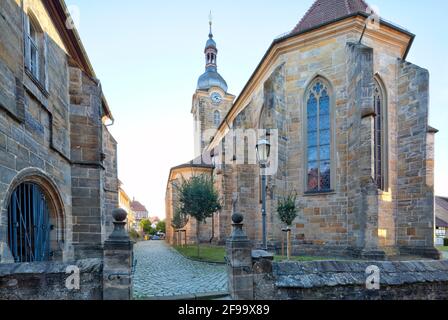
<point x="380" y="135"/>
<point x="217" y="118"/>
<point x="318" y="137"/>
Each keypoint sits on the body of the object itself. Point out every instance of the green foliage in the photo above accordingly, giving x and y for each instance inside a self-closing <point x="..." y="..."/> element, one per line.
<point x="198" y="198"/>
<point x="179" y="220"/>
<point x="134" y="235"/>
<point x="287" y="209"/>
<point x="161" y="226"/>
<point x="147" y="228"/>
<point x="445" y="242"/>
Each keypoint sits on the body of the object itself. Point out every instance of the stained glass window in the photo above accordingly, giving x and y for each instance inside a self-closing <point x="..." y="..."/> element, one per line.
<point x="318" y="138"/>
<point x="379" y="149"/>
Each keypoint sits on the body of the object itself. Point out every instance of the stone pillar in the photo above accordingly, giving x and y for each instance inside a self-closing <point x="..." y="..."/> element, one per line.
<point x="363" y="193"/>
<point x="118" y="260"/>
<point x="239" y="262"/>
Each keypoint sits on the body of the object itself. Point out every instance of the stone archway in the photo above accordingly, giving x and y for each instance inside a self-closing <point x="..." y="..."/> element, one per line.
<point x="56" y="209"/>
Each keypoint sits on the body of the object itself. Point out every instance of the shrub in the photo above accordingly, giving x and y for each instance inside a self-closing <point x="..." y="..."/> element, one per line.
<point x="134" y="235"/>
<point x="445" y="242"/>
<point x="287" y="209"/>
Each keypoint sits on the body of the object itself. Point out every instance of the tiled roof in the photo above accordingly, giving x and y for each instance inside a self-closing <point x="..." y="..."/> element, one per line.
<point x="442" y="211"/>
<point x="138" y="207"/>
<point x="325" y="11"/>
<point x="198" y="162"/>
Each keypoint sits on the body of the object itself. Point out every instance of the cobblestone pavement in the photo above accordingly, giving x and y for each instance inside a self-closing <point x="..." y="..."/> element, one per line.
<point x="162" y="272"/>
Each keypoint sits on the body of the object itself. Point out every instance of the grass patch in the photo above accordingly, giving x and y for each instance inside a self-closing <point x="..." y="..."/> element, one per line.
<point x="443" y="248"/>
<point x="217" y="254"/>
<point x="301" y="258"/>
<point x="206" y="253"/>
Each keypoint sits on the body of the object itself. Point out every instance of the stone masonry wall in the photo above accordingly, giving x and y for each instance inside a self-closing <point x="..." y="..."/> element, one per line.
<point x="345" y="280"/>
<point x="415" y="219"/>
<point x="110" y="181"/>
<point x="47" y="281"/>
<point x="86" y="147"/>
<point x="33" y="119"/>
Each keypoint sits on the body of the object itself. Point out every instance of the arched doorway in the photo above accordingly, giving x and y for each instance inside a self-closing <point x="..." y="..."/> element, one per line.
<point x="29" y="224"/>
<point x="33" y="218"/>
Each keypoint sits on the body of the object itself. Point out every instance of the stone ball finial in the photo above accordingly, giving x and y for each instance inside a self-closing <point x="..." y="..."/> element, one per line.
<point x="119" y="215"/>
<point x="237" y="218"/>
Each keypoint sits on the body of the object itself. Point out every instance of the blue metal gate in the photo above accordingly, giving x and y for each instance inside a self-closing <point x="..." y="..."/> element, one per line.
<point x="29" y="224"/>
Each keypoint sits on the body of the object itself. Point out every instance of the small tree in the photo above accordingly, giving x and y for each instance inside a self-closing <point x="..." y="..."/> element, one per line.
<point x="161" y="226"/>
<point x="287" y="211"/>
<point x="179" y="222"/>
<point x="198" y="199"/>
<point x="145" y="224"/>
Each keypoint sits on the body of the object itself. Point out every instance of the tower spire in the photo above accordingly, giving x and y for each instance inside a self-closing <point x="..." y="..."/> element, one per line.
<point x="210" y="21"/>
<point x="211" y="77"/>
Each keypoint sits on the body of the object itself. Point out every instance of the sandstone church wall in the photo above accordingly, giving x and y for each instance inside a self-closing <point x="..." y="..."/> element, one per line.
<point x="51" y="133"/>
<point x="34" y="116"/>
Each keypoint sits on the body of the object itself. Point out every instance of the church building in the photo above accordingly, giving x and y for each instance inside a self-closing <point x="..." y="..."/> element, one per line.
<point x="346" y="116"/>
<point x="58" y="160"/>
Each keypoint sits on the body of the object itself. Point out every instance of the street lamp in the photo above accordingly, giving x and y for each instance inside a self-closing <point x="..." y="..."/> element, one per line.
<point x="263" y="153"/>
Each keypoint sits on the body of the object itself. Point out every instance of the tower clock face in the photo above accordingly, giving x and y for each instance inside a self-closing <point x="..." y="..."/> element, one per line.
<point x="216" y="98"/>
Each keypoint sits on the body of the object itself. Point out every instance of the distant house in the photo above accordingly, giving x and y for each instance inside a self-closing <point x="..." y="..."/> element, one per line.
<point x="140" y="211"/>
<point x="441" y="220"/>
<point x="154" y="221"/>
<point x="124" y="201"/>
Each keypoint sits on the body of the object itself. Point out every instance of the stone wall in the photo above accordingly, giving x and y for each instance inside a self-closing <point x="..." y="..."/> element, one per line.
<point x="34" y="127"/>
<point x="110" y="181"/>
<point x="47" y="281"/>
<point x="51" y="134"/>
<point x="86" y="148"/>
<point x="415" y="216"/>
<point x="346" y="280"/>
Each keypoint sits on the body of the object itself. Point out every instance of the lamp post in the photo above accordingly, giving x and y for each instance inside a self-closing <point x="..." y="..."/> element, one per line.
<point x="263" y="153"/>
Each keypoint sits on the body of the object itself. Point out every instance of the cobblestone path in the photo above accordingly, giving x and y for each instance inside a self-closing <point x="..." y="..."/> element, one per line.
<point x="162" y="272"/>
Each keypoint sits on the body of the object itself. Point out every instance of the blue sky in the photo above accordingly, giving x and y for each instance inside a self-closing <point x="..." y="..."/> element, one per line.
<point x="149" y="55"/>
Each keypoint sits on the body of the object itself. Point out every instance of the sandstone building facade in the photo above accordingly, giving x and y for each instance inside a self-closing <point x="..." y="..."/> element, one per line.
<point x="348" y="116"/>
<point x="58" y="161"/>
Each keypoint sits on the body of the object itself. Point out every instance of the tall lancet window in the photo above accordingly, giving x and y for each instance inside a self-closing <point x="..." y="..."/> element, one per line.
<point x="217" y="118"/>
<point x="380" y="138"/>
<point x="318" y="137"/>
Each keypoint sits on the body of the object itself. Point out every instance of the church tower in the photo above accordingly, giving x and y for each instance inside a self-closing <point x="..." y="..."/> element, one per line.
<point x="211" y="101"/>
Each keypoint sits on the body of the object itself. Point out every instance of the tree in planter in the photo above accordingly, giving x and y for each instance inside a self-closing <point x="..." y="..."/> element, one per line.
<point x="198" y="199"/>
<point x="179" y="222"/>
<point x="287" y="211"/>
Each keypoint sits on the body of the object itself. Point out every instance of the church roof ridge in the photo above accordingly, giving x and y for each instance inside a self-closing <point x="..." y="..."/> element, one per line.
<point x="324" y="11"/>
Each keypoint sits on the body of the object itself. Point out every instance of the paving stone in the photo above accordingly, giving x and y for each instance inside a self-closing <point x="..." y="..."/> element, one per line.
<point x="162" y="272"/>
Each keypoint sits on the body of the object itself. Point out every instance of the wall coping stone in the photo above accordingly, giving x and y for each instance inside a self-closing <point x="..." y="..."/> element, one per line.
<point x="333" y="273"/>
<point x="85" y="266"/>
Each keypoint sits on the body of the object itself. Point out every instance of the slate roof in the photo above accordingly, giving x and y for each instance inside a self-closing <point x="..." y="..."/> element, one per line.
<point x="442" y="212"/>
<point x="325" y="11"/>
